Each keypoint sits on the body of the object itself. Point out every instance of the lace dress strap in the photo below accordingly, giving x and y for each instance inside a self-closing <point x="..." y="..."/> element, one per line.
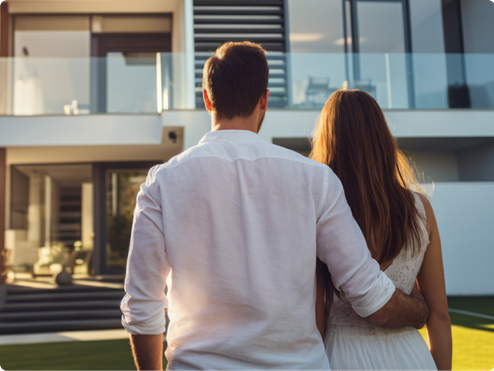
<point x="419" y="205"/>
<point x="422" y="221"/>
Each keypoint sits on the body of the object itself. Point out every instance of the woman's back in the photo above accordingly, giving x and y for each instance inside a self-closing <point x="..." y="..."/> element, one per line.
<point x="353" y="343"/>
<point x="403" y="271"/>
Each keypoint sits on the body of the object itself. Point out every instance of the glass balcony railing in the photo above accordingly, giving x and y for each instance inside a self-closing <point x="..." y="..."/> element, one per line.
<point x="117" y="84"/>
<point x="396" y="80"/>
<point x="131" y="84"/>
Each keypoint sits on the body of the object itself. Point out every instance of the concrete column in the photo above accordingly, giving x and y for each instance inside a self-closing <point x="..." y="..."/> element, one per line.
<point x="87" y="220"/>
<point x="36" y="210"/>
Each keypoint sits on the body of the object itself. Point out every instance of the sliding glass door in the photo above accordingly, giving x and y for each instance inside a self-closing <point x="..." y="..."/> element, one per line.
<point x="115" y="190"/>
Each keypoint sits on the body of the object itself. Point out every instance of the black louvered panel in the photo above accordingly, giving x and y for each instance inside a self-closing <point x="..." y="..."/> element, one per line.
<point x="259" y="21"/>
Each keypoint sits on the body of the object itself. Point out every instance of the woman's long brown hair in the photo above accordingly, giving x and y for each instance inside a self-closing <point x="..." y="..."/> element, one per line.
<point x="353" y="138"/>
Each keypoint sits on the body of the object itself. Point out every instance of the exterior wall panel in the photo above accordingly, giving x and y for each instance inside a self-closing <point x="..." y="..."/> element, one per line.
<point x="465" y="216"/>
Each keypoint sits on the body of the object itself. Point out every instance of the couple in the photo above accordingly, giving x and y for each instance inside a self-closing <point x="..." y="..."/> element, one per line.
<point x="235" y="227"/>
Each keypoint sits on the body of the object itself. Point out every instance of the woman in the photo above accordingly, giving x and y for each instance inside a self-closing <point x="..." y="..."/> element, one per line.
<point x="400" y="229"/>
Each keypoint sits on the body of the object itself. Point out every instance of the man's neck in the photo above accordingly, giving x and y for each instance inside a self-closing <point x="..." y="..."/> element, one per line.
<point x="237" y="123"/>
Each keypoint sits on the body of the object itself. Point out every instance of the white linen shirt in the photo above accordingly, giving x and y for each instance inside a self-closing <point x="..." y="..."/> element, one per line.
<point x="232" y="226"/>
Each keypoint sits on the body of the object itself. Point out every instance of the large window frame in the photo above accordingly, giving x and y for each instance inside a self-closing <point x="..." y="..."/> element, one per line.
<point x="355" y="48"/>
<point x="100" y="185"/>
<point x="355" y="36"/>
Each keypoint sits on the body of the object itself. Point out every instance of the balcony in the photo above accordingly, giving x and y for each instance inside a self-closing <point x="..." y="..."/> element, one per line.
<point x="131" y="84"/>
<point x="119" y="84"/>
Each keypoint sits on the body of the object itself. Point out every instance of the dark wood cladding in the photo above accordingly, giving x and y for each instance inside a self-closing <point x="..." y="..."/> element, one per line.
<point x="102" y="43"/>
<point x="4" y="29"/>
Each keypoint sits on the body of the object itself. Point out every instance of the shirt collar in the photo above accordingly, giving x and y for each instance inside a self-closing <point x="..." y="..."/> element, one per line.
<point x="230" y="136"/>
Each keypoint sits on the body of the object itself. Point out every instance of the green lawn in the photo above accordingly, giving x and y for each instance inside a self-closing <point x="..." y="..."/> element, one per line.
<point x="473" y="338"/>
<point x="82" y="355"/>
<point x="473" y="346"/>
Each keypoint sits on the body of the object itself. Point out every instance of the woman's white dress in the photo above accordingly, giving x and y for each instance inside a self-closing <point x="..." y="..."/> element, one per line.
<point x="352" y="343"/>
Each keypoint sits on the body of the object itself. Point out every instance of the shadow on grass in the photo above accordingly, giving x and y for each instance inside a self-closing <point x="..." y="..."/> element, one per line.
<point x="476" y="304"/>
<point x="81" y="355"/>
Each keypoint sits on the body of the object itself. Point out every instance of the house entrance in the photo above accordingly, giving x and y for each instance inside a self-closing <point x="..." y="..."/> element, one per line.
<point x="51" y="219"/>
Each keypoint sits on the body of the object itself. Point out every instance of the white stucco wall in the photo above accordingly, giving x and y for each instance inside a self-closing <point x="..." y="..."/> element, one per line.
<point x="84" y="130"/>
<point x="465" y="217"/>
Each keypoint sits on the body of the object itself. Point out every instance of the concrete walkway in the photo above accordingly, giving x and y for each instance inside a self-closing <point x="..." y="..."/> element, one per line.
<point x="56" y="337"/>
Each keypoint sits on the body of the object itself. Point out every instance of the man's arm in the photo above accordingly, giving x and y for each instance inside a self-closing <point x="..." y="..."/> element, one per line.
<point x="147" y="351"/>
<point x="342" y="247"/>
<point x="147" y="269"/>
<point x="396" y="312"/>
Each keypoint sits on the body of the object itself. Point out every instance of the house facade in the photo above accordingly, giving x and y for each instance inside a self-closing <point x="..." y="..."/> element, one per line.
<point x="94" y="93"/>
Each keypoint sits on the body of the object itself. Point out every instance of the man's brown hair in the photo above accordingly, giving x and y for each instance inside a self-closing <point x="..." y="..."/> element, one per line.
<point x="236" y="78"/>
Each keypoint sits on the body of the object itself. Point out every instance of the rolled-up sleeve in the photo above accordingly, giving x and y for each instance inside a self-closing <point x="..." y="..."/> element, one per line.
<point x="342" y="246"/>
<point x="143" y="306"/>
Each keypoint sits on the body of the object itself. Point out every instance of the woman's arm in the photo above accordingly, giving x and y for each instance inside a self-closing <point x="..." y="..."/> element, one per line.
<point x="431" y="284"/>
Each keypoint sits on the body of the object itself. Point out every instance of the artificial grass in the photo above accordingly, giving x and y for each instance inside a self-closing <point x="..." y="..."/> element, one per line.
<point x="473" y="337"/>
<point x="81" y="355"/>
<point x="473" y="346"/>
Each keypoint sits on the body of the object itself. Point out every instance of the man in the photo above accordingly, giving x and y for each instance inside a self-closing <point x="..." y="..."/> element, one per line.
<point x="233" y="226"/>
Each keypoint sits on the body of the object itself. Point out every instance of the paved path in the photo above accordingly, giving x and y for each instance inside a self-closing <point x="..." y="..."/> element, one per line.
<point x="56" y="337"/>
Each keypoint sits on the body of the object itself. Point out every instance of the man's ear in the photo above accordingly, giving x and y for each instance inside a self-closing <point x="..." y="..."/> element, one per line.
<point x="207" y="102"/>
<point x="263" y="101"/>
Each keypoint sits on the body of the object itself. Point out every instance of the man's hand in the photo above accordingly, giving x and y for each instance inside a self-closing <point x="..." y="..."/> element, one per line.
<point x="416" y="294"/>
<point x="402" y="311"/>
<point x="147" y="351"/>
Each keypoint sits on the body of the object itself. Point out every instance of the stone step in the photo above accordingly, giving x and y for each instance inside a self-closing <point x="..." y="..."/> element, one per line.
<point x="52" y="295"/>
<point x="32" y="308"/>
<point x="21" y="290"/>
<point x="56" y="326"/>
<point x="56" y="315"/>
<point x="58" y="305"/>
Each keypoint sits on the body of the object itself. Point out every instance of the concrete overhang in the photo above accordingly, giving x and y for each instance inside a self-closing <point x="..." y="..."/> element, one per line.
<point x="132" y="130"/>
<point x="85" y="139"/>
<point x="90" y="130"/>
<point x="448" y="123"/>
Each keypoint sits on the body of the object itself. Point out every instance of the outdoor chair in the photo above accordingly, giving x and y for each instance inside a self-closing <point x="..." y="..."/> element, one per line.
<point x="318" y="91"/>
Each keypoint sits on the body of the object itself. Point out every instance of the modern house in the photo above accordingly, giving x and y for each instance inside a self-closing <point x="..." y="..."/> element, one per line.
<point x="94" y="93"/>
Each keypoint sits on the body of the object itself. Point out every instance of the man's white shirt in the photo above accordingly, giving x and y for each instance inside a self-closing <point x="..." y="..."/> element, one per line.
<point x="232" y="227"/>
